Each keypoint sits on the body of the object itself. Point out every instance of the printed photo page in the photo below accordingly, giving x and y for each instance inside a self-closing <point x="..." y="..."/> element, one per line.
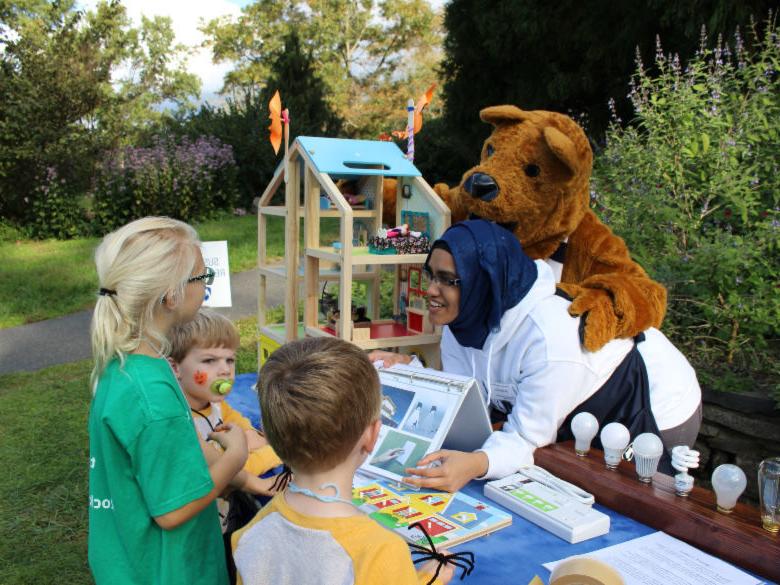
<point x="418" y="408"/>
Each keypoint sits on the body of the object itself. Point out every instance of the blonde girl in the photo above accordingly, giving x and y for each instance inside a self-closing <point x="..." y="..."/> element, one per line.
<point x="152" y="517"/>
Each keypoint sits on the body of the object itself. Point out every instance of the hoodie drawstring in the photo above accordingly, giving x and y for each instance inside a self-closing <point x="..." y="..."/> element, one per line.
<point x="489" y="387"/>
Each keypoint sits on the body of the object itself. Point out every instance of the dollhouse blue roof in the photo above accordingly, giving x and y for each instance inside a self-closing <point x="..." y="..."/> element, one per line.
<point x="341" y="156"/>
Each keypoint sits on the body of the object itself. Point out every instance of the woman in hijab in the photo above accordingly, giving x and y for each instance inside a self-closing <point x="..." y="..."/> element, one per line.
<point x="505" y="325"/>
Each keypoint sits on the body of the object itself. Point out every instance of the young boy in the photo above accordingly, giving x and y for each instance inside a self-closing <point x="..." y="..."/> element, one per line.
<point x="320" y="403"/>
<point x="203" y="352"/>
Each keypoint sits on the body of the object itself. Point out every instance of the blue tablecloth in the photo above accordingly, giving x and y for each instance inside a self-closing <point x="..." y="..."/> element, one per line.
<point x="511" y="555"/>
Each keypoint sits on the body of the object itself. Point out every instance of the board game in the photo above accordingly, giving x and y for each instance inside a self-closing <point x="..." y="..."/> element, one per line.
<point x="449" y="519"/>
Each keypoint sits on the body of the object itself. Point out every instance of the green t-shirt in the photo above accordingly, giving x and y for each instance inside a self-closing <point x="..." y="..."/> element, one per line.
<point x="145" y="461"/>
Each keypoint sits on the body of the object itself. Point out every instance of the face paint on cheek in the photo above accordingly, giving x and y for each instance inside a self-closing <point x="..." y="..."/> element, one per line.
<point x="200" y="377"/>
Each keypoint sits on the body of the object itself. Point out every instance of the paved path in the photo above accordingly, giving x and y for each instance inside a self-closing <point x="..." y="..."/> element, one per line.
<point x="66" y="339"/>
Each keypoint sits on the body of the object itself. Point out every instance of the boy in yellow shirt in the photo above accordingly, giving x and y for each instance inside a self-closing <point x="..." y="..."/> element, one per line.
<point x="203" y="357"/>
<point x="320" y="402"/>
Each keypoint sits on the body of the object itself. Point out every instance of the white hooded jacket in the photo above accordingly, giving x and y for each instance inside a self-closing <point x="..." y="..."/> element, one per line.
<point x="535" y="368"/>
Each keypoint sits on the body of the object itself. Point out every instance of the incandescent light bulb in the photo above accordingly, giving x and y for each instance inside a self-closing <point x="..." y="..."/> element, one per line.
<point x="729" y="482"/>
<point x="584" y="427"/>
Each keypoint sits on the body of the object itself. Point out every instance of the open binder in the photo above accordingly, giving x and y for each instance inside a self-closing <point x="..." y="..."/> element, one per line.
<point x="424" y="410"/>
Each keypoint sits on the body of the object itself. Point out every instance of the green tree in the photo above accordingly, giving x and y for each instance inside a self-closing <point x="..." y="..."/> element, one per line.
<point x="372" y="55"/>
<point x="242" y="121"/>
<point x="570" y="56"/>
<point x="72" y="84"/>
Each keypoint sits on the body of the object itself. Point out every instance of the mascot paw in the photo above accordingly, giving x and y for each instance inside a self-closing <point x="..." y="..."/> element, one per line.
<point x="443" y="191"/>
<point x="598" y="324"/>
<point x="451" y="198"/>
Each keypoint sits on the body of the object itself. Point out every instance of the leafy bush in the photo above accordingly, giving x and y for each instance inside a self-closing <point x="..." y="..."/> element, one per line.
<point x="56" y="211"/>
<point x="189" y="179"/>
<point x="693" y="186"/>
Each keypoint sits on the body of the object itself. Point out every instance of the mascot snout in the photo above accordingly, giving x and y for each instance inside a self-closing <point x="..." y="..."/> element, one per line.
<point x="481" y="186"/>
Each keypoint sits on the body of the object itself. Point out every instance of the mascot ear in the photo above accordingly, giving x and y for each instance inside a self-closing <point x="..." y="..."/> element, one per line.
<point x="563" y="148"/>
<point x="504" y="115"/>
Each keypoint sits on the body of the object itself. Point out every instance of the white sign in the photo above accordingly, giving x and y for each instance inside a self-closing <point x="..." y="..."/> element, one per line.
<point x="215" y="256"/>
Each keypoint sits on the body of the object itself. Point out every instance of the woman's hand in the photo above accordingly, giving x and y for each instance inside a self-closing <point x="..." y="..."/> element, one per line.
<point x="388" y="358"/>
<point x="455" y="469"/>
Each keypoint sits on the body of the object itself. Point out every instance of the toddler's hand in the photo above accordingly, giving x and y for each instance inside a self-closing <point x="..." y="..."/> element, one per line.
<point x="231" y="438"/>
<point x="259" y="486"/>
<point x="255" y="440"/>
<point x="445" y="573"/>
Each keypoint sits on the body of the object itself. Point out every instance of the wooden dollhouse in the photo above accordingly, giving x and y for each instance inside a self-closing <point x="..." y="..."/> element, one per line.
<point x="312" y="168"/>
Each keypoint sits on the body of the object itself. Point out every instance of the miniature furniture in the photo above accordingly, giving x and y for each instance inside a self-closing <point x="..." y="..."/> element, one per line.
<point x="416" y="313"/>
<point x="313" y="167"/>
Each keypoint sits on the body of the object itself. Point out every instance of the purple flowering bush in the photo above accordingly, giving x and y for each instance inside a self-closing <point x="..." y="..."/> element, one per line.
<point x="189" y="179"/>
<point x="693" y="185"/>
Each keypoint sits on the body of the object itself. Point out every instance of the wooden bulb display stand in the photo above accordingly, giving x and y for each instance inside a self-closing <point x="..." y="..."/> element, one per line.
<point x="737" y="537"/>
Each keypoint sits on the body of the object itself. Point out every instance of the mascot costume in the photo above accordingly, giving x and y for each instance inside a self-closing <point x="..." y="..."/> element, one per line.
<point x="533" y="178"/>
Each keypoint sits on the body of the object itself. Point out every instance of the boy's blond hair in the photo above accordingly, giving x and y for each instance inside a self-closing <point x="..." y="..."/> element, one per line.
<point x="317" y="397"/>
<point x="207" y="329"/>
<point x="137" y="265"/>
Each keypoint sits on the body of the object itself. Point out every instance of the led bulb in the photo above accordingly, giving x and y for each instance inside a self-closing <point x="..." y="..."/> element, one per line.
<point x="648" y="449"/>
<point x="729" y="482"/>
<point x="584" y="427"/>
<point x="614" y="439"/>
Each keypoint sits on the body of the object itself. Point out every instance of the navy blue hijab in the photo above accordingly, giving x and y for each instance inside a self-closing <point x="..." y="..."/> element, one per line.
<point x="495" y="275"/>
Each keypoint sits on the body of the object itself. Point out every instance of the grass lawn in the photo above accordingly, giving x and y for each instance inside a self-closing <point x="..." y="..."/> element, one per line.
<point x="43" y="492"/>
<point x="45" y="451"/>
<point x="50" y="278"/>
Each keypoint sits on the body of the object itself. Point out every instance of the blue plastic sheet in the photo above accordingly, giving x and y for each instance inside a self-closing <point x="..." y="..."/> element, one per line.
<point x="511" y="555"/>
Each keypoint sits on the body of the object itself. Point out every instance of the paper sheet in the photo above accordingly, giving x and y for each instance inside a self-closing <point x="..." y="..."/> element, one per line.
<point x="659" y="559"/>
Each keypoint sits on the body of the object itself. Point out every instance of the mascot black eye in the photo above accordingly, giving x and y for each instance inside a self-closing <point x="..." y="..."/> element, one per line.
<point x="532" y="170"/>
<point x="489" y="150"/>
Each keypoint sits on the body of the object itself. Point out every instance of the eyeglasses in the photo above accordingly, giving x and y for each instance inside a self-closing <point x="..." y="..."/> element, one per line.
<point x="429" y="278"/>
<point x="207" y="277"/>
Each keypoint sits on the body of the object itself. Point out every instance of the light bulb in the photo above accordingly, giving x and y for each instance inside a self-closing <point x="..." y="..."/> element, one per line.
<point x="683" y="459"/>
<point x="584" y="427"/>
<point x="614" y="438"/>
<point x="729" y="482"/>
<point x="648" y="449"/>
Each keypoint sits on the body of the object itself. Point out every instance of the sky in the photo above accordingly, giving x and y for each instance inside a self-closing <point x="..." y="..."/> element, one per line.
<point x="187" y="16"/>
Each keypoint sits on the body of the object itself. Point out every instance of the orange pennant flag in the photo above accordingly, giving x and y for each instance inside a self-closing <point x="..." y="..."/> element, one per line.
<point x="275" y="115"/>
<point x="422" y="103"/>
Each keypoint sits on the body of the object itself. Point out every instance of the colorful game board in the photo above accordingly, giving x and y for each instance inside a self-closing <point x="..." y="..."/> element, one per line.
<point x="448" y="518"/>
